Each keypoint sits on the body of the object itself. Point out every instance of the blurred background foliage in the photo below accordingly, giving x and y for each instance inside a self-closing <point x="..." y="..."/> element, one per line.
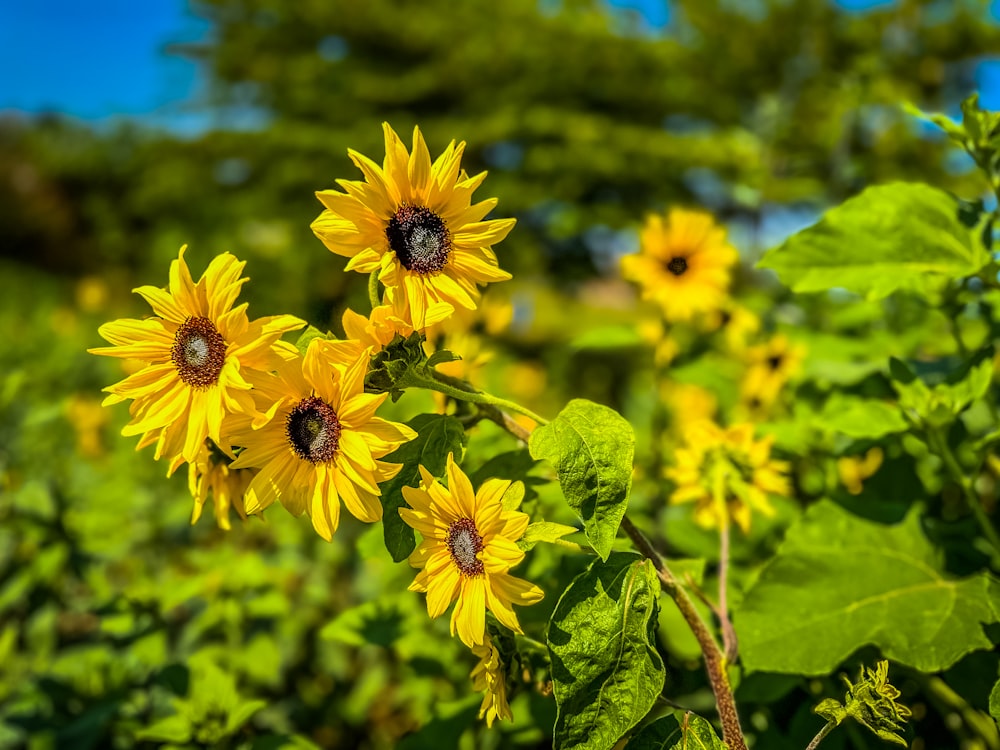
<point x="123" y="626"/>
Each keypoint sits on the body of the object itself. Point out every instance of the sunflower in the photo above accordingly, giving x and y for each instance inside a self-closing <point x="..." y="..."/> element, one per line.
<point x="375" y="331"/>
<point x="727" y="474"/>
<point x="322" y="441"/>
<point x="414" y="222"/>
<point x="769" y="368"/>
<point x="468" y="546"/>
<point x="683" y="263"/>
<point x="211" y="474"/>
<point x="489" y="677"/>
<point x="197" y="350"/>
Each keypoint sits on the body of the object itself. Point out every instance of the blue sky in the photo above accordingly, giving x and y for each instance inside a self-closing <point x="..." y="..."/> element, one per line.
<point x="103" y="58"/>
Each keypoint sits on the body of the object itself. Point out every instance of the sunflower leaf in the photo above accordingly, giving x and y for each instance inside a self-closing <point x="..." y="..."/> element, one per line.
<point x="840" y="582"/>
<point x="606" y="671"/>
<point x="890" y="237"/>
<point x="437" y="436"/>
<point x="591" y="448"/>
<point x="544" y="531"/>
<point x="693" y="733"/>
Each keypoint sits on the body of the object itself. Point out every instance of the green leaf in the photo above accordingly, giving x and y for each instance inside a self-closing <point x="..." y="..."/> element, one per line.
<point x="441" y="356"/>
<point x="437" y="436"/>
<point x="591" y="448"/>
<point x="310" y="333"/>
<point x="544" y="531"/>
<point x="176" y="728"/>
<point x="242" y="713"/>
<point x="693" y="733"/>
<point x="380" y="622"/>
<point x="938" y="405"/>
<point x="891" y="237"/>
<point x="995" y="702"/>
<point x="860" y="418"/>
<point x="606" y="671"/>
<point x="607" y="338"/>
<point x="840" y="582"/>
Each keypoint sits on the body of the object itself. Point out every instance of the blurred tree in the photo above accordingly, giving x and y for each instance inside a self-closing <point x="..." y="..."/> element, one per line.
<point x="585" y="118"/>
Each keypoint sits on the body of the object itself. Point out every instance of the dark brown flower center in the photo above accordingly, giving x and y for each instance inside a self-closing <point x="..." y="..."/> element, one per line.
<point x="199" y="352"/>
<point x="774" y="362"/>
<point x="420" y="239"/>
<point x="464" y="543"/>
<point x="677" y="265"/>
<point x="313" y="430"/>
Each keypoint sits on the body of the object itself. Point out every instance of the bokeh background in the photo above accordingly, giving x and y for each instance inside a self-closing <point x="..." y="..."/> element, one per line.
<point x="129" y="129"/>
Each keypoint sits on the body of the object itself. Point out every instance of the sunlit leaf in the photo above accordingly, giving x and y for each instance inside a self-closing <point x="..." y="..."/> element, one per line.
<point x="840" y="582"/>
<point x="591" y="448"/>
<point x="890" y="237"/>
<point x="606" y="671"/>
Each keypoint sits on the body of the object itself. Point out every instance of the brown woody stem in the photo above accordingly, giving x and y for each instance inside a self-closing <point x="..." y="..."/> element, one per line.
<point x="715" y="663"/>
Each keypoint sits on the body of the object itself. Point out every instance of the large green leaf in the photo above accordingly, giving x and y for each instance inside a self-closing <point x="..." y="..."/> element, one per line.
<point x="591" y="448"/>
<point x="860" y="417"/>
<point x="839" y="582"/>
<point x="437" y="436"/>
<point x="890" y="237"/>
<point x="692" y="733"/>
<point x="606" y="671"/>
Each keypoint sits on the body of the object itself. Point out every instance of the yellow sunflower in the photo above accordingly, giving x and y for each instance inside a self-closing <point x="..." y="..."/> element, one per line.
<point x="769" y="368"/>
<point x="727" y="474"/>
<point x="467" y="550"/>
<point x="489" y="677"/>
<point x="683" y="263"/>
<point x="211" y="474"/>
<point x="375" y="331"/>
<point x="197" y="350"/>
<point x="322" y="441"/>
<point x="415" y="223"/>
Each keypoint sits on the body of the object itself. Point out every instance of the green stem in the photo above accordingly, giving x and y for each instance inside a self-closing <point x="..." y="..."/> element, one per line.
<point x="822" y="733"/>
<point x="715" y="661"/>
<point x="435" y="381"/>
<point x="949" y="701"/>
<point x="373" y="289"/>
<point x="939" y="443"/>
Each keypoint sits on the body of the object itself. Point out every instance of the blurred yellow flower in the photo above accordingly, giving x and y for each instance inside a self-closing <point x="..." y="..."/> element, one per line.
<point x="490" y="678"/>
<point x="91" y="293"/>
<point x="88" y="419"/>
<point x="853" y="470"/>
<point x="683" y="263"/>
<point x="469" y="544"/>
<point x="769" y="368"/>
<point x="727" y="474"/>
<point x="737" y="323"/>
<point x="687" y="404"/>
<point x="198" y="349"/>
<point x="322" y="441"/>
<point x="211" y="474"/>
<point x="415" y="223"/>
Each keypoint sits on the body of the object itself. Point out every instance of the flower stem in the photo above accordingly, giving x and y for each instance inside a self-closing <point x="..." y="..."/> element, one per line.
<point x="373" y="289"/>
<point x="729" y="642"/>
<point x="462" y="391"/>
<point x="715" y="662"/>
<point x="939" y="443"/>
<point x="822" y="733"/>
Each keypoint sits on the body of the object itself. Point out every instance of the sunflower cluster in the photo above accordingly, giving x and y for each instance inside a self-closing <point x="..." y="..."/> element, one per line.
<point x="727" y="474"/>
<point x="260" y="421"/>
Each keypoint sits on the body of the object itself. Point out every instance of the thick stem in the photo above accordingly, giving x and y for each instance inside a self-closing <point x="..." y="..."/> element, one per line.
<point x="435" y="381"/>
<point x="729" y="643"/>
<point x="715" y="664"/>
<point x="939" y="443"/>
<point x="822" y="733"/>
